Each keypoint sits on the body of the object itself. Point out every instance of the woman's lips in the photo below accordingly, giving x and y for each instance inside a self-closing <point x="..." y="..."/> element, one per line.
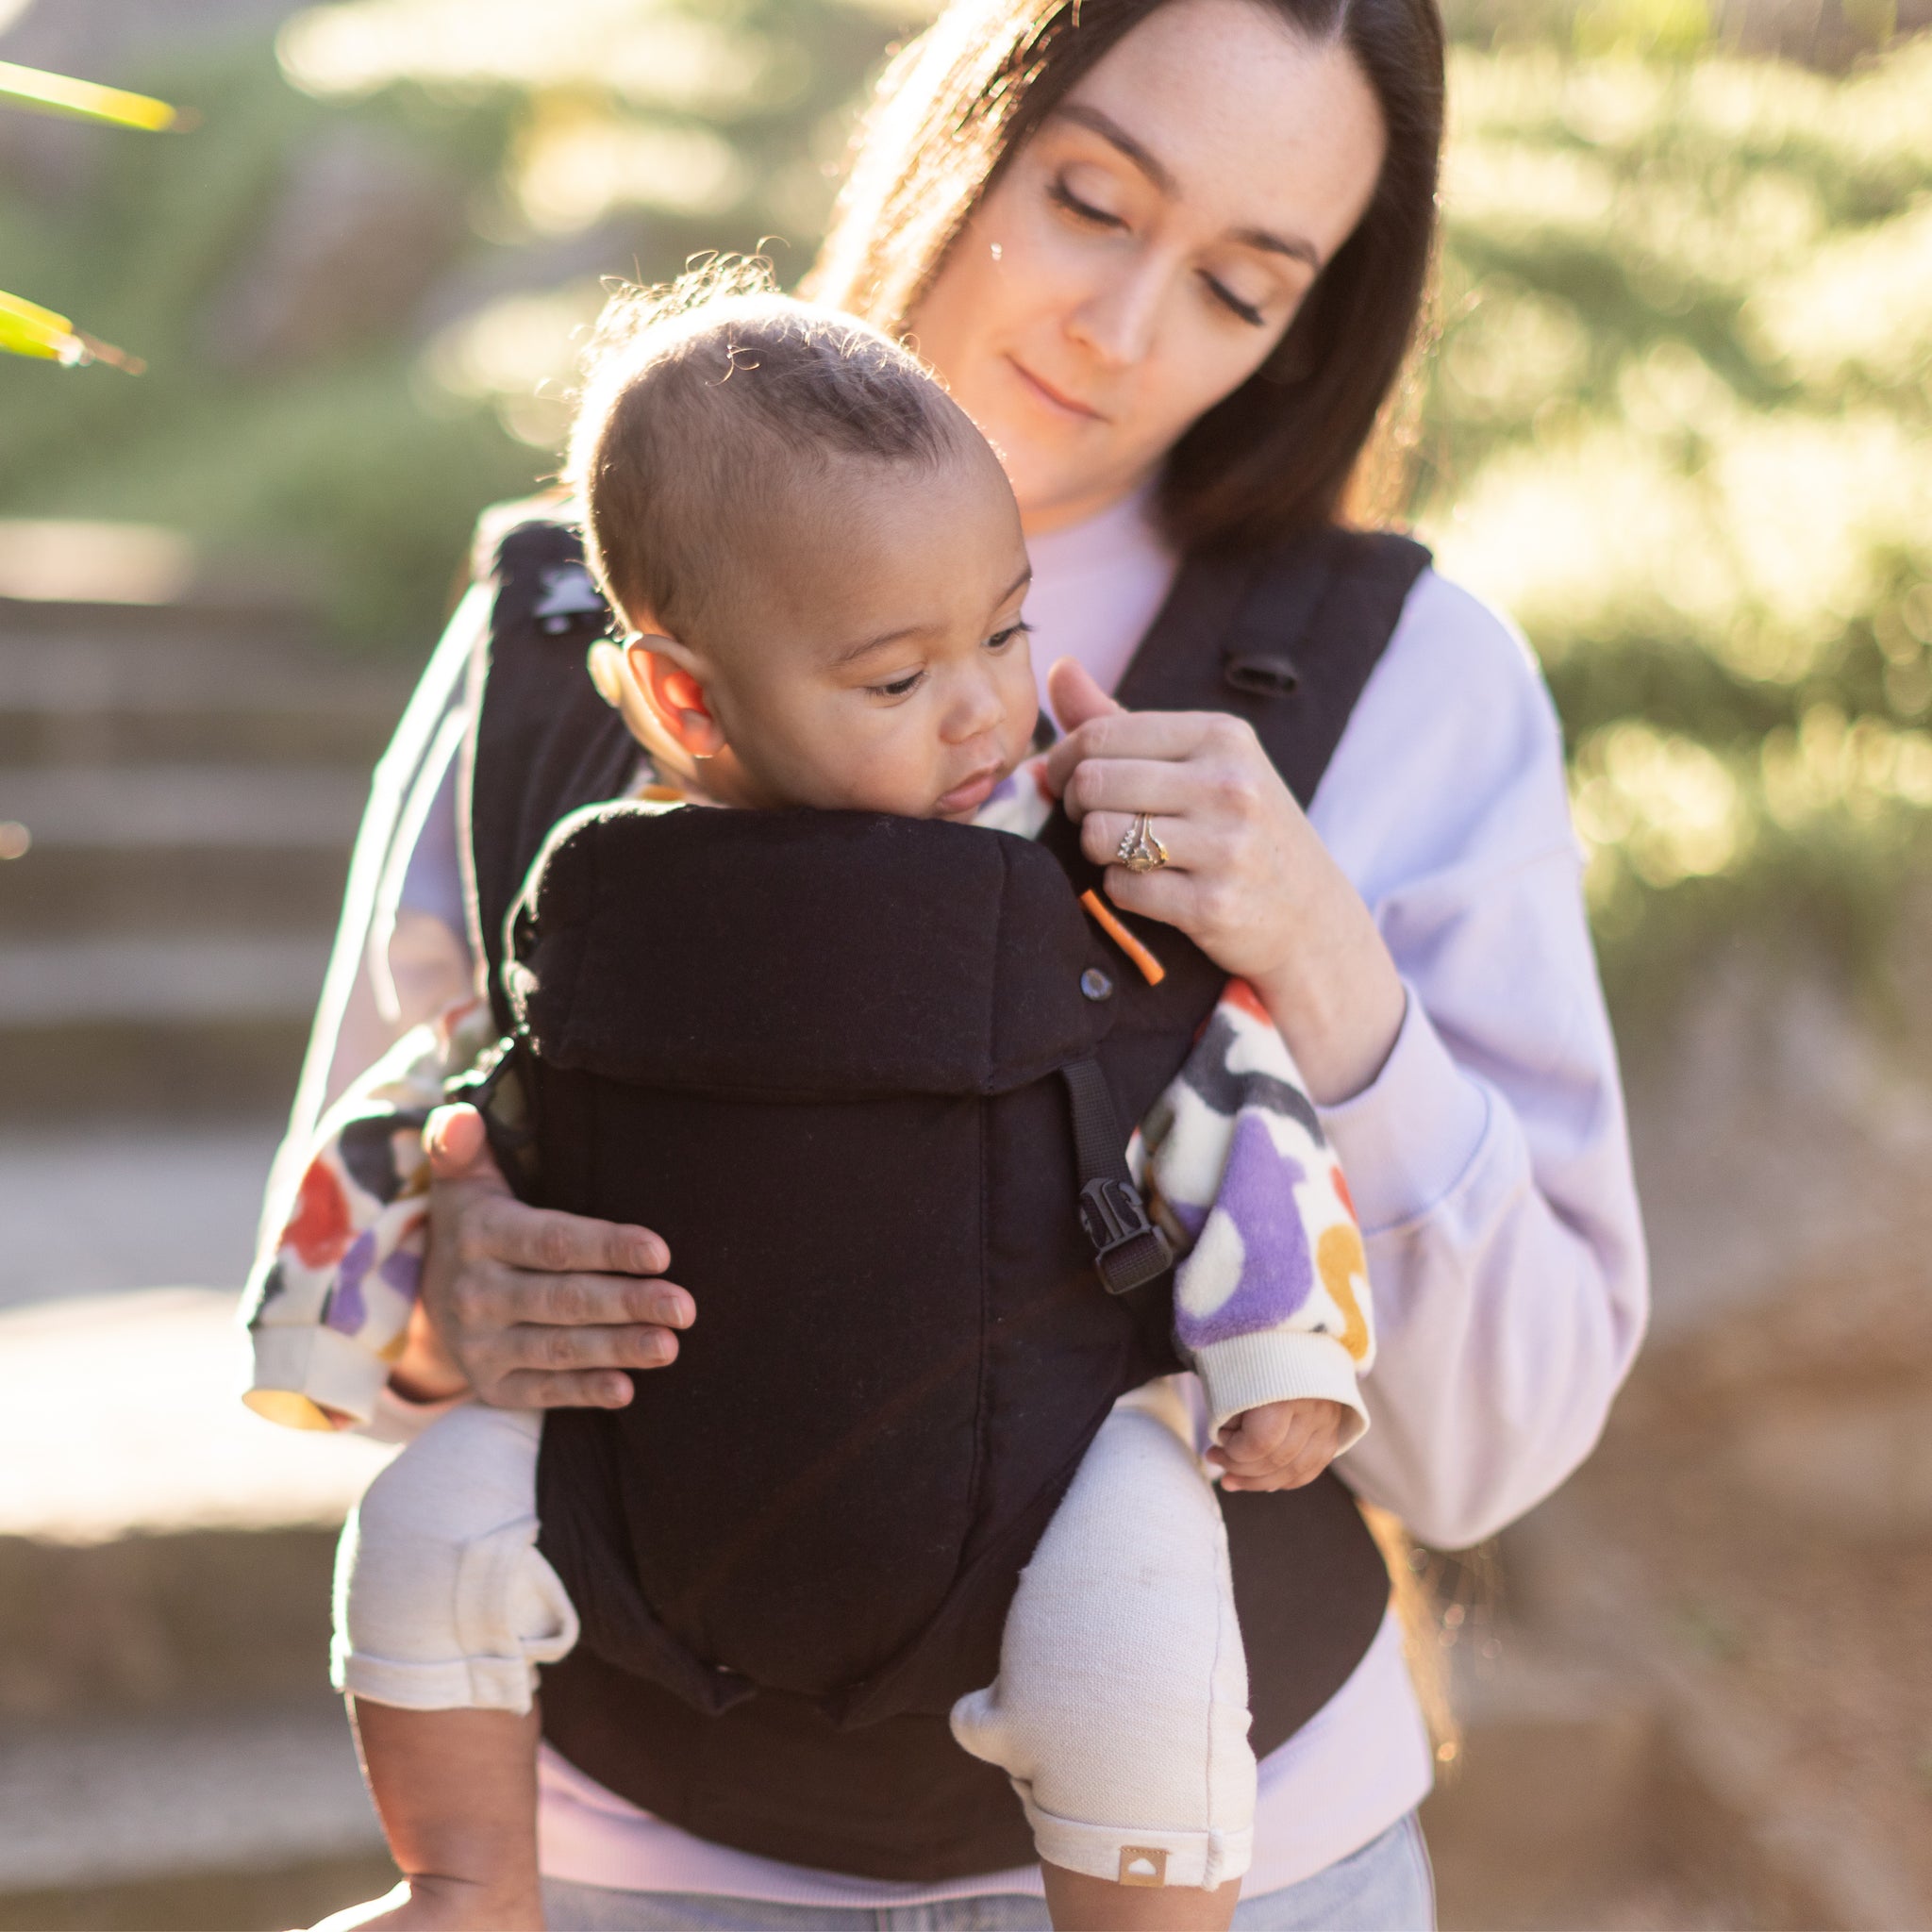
<point x="1052" y="396"/>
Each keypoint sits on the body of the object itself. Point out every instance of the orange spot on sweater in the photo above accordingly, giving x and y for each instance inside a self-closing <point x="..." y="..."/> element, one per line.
<point x="1339" y="1256"/>
<point x="1343" y="1195"/>
<point x="319" y="1228"/>
<point x="1239" y="993"/>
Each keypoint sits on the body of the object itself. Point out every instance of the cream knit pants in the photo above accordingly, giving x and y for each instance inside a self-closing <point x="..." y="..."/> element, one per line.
<point x="1120" y="1711"/>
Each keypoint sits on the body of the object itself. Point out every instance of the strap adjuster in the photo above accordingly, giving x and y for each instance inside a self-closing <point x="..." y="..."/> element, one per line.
<point x="1128" y="1249"/>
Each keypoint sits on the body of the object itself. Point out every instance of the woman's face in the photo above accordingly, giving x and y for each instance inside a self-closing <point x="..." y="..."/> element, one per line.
<point x="1147" y="249"/>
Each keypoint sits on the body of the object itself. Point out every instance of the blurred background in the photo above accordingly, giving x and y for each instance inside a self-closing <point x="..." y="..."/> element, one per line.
<point x="1676" y="421"/>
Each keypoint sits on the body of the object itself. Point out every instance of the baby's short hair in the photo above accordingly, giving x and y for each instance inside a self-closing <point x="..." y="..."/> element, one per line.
<point x="715" y="405"/>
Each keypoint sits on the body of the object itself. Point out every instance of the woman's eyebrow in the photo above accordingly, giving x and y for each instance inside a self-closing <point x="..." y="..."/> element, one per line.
<point x="1096" y="120"/>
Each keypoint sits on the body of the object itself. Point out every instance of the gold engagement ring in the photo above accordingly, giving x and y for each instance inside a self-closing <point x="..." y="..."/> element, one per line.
<point x="1140" y="850"/>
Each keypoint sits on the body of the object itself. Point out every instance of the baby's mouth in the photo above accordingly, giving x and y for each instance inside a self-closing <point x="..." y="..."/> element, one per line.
<point x="971" y="795"/>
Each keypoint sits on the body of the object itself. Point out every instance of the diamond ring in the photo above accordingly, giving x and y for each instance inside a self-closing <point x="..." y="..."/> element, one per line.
<point x="1140" y="850"/>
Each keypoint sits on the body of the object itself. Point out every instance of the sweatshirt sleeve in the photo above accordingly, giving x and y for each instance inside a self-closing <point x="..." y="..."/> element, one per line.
<point x="1270" y="1294"/>
<point x="328" y="1304"/>
<point x="1490" y="1158"/>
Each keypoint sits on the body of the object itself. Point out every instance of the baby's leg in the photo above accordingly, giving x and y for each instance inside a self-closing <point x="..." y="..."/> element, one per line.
<point x="1121" y="1708"/>
<point x="443" y="1607"/>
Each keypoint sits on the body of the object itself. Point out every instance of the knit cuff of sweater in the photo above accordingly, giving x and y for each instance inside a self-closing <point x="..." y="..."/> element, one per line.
<point x="1278" y="1365"/>
<point x="1408" y="1139"/>
<point x="305" y="1376"/>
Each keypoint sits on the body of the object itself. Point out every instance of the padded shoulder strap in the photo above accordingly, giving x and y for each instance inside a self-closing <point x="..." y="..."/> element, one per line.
<point x="1286" y="641"/>
<point x="541" y="742"/>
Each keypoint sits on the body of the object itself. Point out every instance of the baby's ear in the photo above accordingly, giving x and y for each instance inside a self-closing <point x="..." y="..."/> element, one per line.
<point x="676" y="698"/>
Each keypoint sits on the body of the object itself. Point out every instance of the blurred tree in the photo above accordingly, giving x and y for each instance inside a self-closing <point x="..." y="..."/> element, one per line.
<point x="25" y="328"/>
<point x="379" y="246"/>
<point x="1681" y="425"/>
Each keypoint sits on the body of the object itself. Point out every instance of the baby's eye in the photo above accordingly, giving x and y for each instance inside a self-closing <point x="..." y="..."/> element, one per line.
<point x="899" y="688"/>
<point x="1001" y="639"/>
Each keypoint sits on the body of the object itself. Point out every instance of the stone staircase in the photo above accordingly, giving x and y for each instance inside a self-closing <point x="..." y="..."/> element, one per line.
<point x="179" y="785"/>
<point x="170" y="1753"/>
<point x="178" y="788"/>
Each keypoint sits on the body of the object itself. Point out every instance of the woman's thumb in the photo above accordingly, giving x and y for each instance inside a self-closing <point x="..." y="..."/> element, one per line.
<point x="457" y="1145"/>
<point x="1074" y="696"/>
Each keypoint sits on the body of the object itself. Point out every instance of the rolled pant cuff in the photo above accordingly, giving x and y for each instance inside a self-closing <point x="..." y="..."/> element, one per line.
<point x="492" y="1683"/>
<point x="1130" y="1856"/>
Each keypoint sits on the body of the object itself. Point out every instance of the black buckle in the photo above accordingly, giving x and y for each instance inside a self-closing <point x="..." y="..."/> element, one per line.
<point x="1115" y="1217"/>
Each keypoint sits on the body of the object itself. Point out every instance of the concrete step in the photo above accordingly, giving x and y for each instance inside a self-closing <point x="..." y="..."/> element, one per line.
<point x="160" y="1546"/>
<point x="1552" y="1798"/>
<point x="110" y="1206"/>
<point x="252" y="1817"/>
<point x="159" y="808"/>
<point x="158" y="982"/>
<point x="96" y="683"/>
<point x="154" y="849"/>
<point x="208" y="1023"/>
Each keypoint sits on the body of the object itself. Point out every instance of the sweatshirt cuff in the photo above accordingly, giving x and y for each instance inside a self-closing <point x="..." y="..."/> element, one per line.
<point x="1247" y="1370"/>
<point x="1408" y="1138"/>
<point x="301" y="1371"/>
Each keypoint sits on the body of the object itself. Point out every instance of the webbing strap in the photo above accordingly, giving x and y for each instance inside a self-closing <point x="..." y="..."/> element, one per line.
<point x="1128" y="1250"/>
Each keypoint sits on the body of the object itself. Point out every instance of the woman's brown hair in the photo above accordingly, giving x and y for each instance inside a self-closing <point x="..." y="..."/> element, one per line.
<point x="957" y="104"/>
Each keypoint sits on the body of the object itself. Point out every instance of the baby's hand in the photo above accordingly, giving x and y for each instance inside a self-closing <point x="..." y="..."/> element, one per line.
<point x="1281" y="1445"/>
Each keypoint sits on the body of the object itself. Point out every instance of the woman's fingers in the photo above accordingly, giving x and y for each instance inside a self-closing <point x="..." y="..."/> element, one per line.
<point x="1075" y="695"/>
<point x="1189" y="845"/>
<point x="541" y="1388"/>
<point x="1134" y="784"/>
<point x="458" y="1147"/>
<point x="530" y="1347"/>
<point x="548" y="1241"/>
<point x="1163" y="735"/>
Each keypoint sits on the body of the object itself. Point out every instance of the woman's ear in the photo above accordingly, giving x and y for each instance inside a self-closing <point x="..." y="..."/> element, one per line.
<point x="675" y="696"/>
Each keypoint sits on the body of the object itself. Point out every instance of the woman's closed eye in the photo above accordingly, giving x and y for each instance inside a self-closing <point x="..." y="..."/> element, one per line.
<point x="1084" y="211"/>
<point x="1062" y="196"/>
<point x="1245" y="312"/>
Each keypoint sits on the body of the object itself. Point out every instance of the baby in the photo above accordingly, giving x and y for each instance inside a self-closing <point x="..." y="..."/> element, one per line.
<point x="819" y="565"/>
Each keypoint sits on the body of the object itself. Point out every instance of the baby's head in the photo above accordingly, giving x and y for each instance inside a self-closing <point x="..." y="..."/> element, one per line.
<point x="818" y="556"/>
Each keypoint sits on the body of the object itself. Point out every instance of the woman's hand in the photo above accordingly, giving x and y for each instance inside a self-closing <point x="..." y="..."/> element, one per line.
<point x="1247" y="879"/>
<point x="529" y="1307"/>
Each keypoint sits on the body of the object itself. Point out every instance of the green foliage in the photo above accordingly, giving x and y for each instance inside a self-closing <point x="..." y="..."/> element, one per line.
<point x="1680" y="422"/>
<point x="1679" y="425"/>
<point x="363" y="462"/>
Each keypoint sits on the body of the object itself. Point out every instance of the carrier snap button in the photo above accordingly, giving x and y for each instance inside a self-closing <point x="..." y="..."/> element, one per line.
<point x="1096" y="985"/>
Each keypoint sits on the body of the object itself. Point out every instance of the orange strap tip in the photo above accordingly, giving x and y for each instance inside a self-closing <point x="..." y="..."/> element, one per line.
<point x="1151" y="971"/>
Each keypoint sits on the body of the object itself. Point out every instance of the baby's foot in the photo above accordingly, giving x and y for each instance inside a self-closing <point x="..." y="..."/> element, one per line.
<point x="429" y="1905"/>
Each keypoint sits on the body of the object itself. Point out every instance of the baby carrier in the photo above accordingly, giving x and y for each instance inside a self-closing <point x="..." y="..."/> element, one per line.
<point x="872" y="1078"/>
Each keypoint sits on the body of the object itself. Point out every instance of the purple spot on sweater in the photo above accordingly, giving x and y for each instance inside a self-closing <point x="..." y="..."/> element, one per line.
<point x="402" y="1271"/>
<point x="1277" y="1270"/>
<point x="346" y="1311"/>
<point x="1192" y="1218"/>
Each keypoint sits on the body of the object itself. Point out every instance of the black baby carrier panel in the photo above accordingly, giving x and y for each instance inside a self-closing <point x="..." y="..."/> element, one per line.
<point x="824" y="1056"/>
<point x="830" y="1082"/>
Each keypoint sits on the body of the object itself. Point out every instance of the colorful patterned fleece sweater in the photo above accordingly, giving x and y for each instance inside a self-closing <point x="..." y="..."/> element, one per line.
<point x="1271" y="1293"/>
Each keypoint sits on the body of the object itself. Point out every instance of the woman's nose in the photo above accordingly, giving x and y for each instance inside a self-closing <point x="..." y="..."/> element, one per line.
<point x="1116" y="322"/>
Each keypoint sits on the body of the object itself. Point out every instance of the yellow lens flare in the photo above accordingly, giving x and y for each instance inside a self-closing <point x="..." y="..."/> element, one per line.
<point x="27" y="329"/>
<point x="82" y="100"/>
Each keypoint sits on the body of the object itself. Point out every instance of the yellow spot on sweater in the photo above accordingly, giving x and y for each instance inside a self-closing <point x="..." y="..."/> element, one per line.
<point x="1342" y="1262"/>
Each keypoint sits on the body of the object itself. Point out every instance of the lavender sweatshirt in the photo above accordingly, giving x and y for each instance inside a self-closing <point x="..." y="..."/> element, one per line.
<point x="1488" y="1160"/>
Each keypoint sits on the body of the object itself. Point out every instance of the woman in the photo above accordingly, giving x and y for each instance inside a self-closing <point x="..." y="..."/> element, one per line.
<point x="1170" y="253"/>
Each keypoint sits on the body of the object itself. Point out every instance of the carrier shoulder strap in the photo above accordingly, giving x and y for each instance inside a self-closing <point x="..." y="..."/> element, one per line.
<point x="1286" y="640"/>
<point x="543" y="743"/>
